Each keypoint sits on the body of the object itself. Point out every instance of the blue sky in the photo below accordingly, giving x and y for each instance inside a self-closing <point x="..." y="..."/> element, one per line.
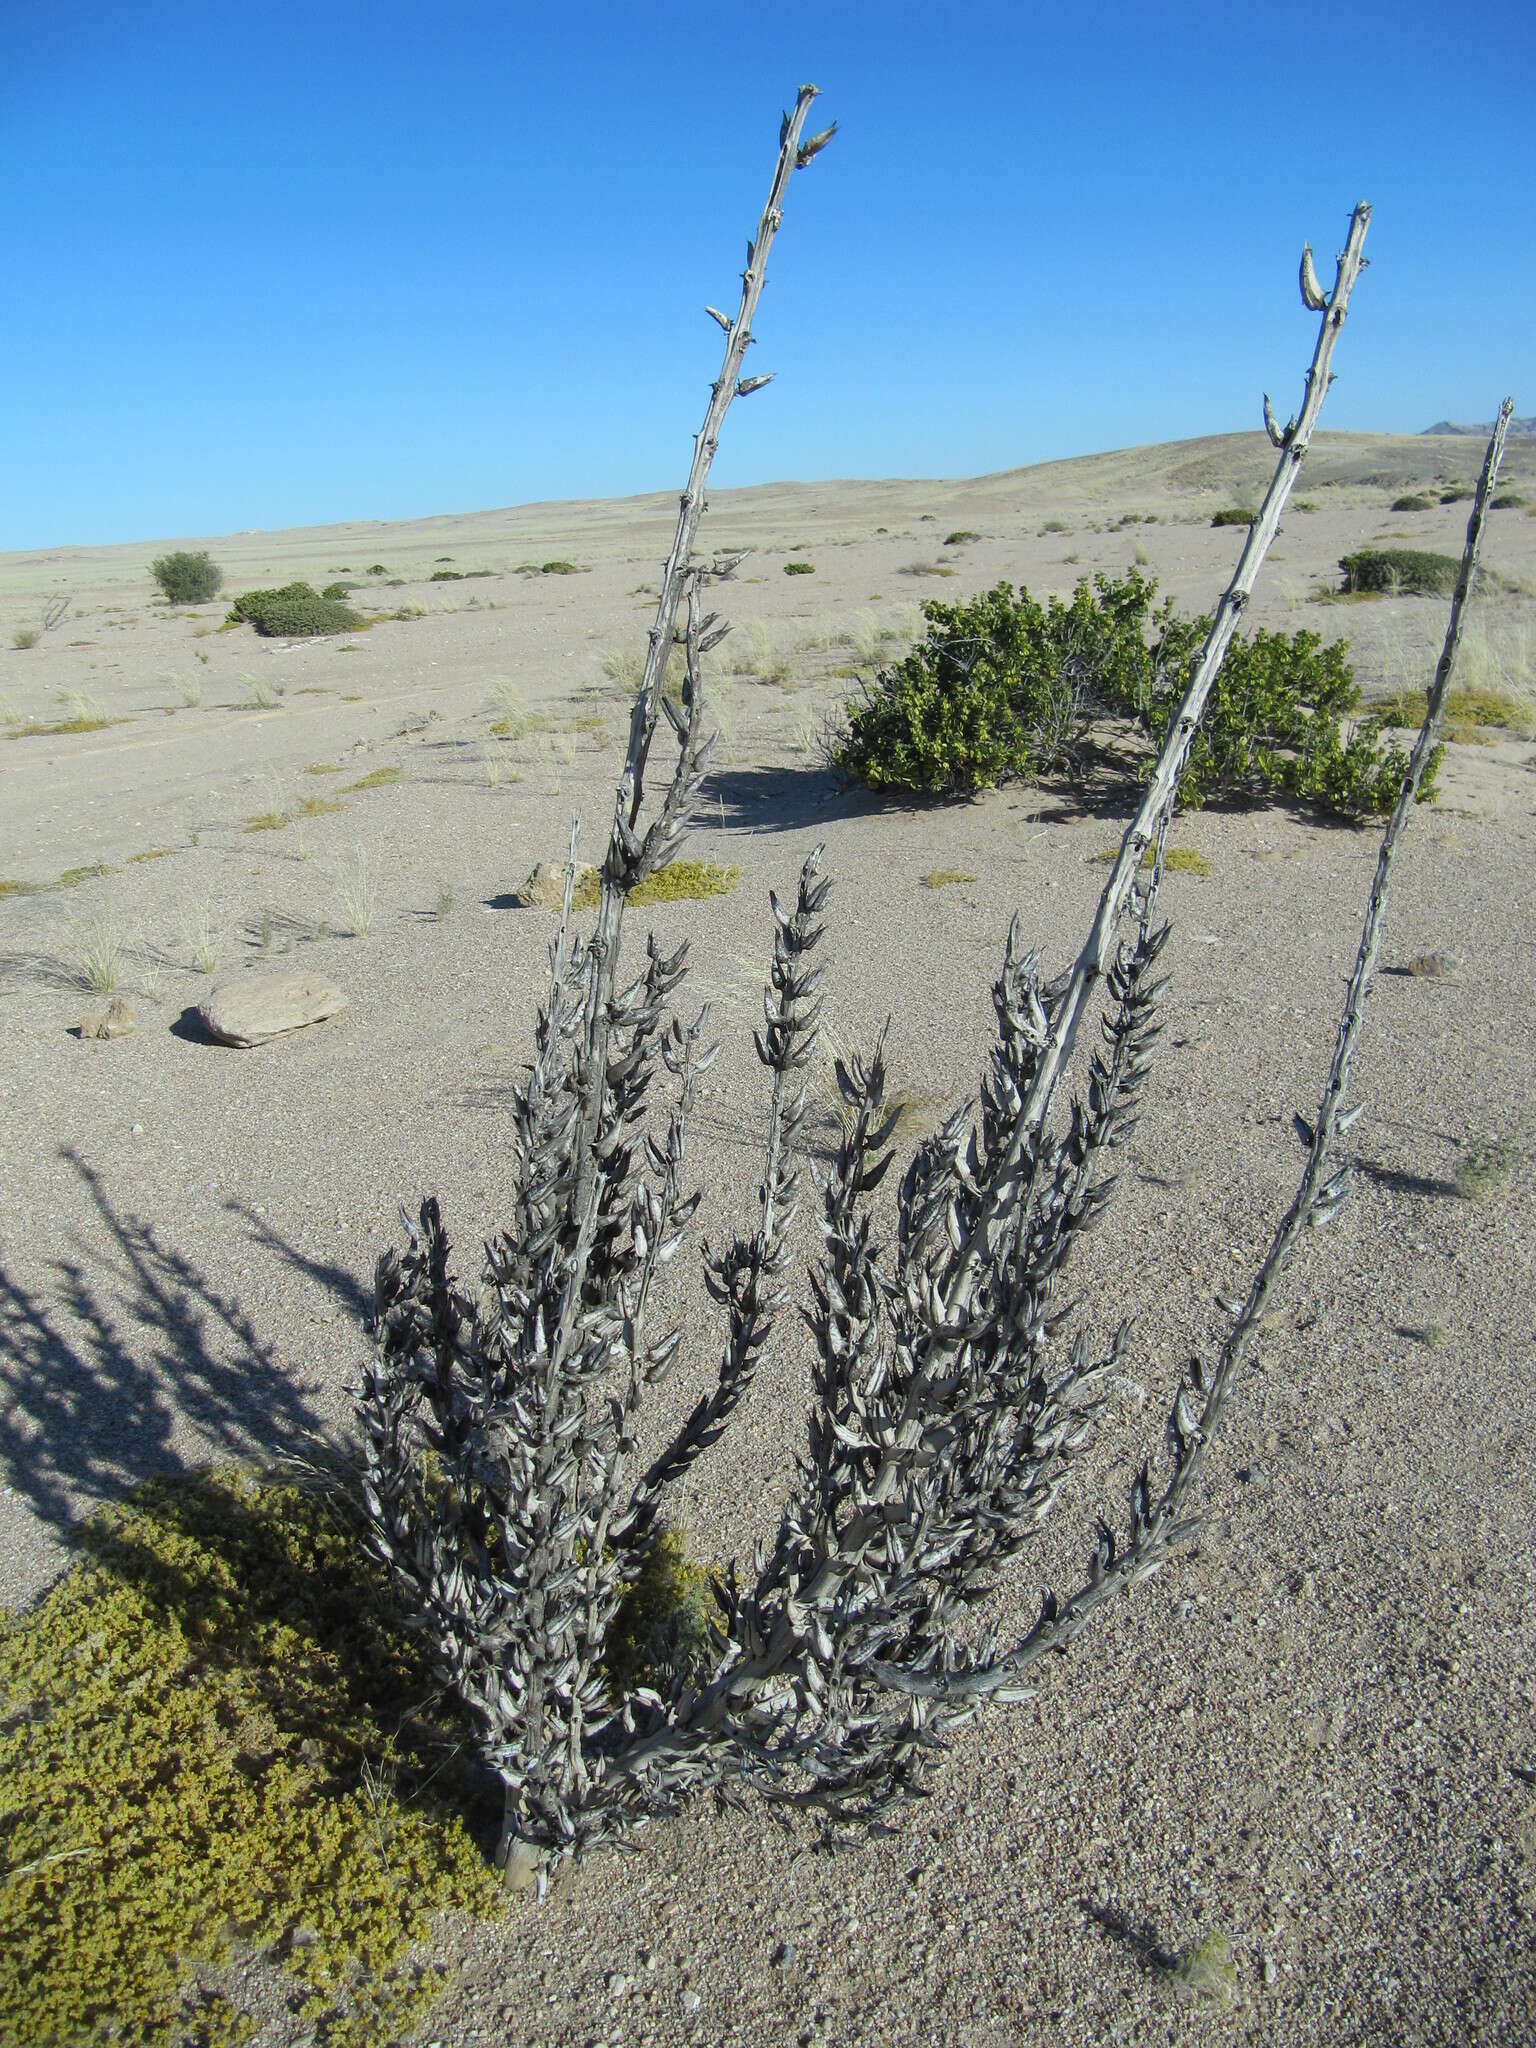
<point x="288" y="265"/>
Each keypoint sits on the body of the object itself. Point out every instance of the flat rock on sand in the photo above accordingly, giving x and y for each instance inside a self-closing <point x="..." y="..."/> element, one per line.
<point x="264" y="1006"/>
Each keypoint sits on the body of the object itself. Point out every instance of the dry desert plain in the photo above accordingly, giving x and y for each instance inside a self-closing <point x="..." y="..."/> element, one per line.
<point x="1316" y="1737"/>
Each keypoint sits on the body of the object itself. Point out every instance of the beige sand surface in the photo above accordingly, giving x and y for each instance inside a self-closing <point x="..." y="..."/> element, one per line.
<point x="1314" y="1738"/>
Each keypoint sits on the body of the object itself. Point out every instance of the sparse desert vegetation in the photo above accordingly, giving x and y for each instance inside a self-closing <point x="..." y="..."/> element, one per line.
<point x="239" y="1792"/>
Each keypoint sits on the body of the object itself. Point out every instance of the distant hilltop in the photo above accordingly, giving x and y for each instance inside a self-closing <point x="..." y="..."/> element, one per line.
<point x="1525" y="426"/>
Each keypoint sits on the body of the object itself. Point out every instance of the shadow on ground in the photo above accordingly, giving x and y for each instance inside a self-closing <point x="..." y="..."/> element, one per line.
<point x="125" y="1347"/>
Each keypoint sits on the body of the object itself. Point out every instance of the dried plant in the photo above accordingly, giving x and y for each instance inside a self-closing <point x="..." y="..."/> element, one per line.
<point x="503" y="1483"/>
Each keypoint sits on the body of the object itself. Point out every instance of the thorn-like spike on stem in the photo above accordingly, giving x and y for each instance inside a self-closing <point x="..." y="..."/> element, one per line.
<point x="1313" y="296"/>
<point x="720" y="319"/>
<point x="1272" y="425"/>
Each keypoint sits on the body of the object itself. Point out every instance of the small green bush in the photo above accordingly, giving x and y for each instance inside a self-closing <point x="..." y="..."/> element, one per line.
<point x="25" y="637"/>
<point x="799" y="568"/>
<point x="445" y="576"/>
<point x="960" y="536"/>
<point x="1402" y="572"/>
<point x="559" y="569"/>
<point x="1412" y="501"/>
<point x="1002" y="686"/>
<point x="187" y="578"/>
<point x="245" y="607"/>
<point x="1233" y="515"/>
<point x="1275" y="721"/>
<point x="338" y="590"/>
<point x="994" y="691"/>
<point x="1509" y="501"/>
<point x="294" y="612"/>
<point x="1455" y="495"/>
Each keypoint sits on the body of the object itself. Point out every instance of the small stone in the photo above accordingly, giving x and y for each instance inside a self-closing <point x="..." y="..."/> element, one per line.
<point x="1271" y="1972"/>
<point x="691" y="2002"/>
<point x="115" y="1021"/>
<point x="263" y="1006"/>
<point x="521" y="1863"/>
<point x="783" y="1955"/>
<point x="545" y="887"/>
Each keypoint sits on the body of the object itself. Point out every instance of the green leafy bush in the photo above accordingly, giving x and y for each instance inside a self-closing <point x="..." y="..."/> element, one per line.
<point x="996" y="690"/>
<point x="1275" y="721"/>
<point x="338" y="589"/>
<point x="445" y="576"/>
<point x="1412" y="501"/>
<point x="799" y="568"/>
<point x="1403" y="572"/>
<point x="187" y="578"/>
<point x="1003" y="686"/>
<point x="295" y="612"/>
<point x="1233" y="515"/>
<point x="1455" y="494"/>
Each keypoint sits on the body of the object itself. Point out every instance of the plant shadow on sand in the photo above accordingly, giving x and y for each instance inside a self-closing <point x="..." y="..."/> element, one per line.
<point x="354" y="1294"/>
<point x="97" y="1378"/>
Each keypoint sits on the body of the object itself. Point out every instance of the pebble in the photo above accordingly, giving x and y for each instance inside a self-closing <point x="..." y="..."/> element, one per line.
<point x="691" y="2001"/>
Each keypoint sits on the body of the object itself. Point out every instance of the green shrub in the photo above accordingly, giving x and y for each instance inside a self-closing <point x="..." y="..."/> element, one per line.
<point x="304" y="618"/>
<point x="445" y="576"/>
<point x="1403" y="572"/>
<point x="245" y="607"/>
<point x="1455" y="495"/>
<point x="799" y="568"/>
<point x="559" y="569"/>
<point x="294" y="612"/>
<point x="959" y="537"/>
<point x="1233" y="515"/>
<point x="1412" y="501"/>
<point x="1509" y="501"/>
<point x="995" y="690"/>
<point x="186" y="578"/>
<point x="338" y="590"/>
<point x="1003" y="685"/>
<point x="1275" y="721"/>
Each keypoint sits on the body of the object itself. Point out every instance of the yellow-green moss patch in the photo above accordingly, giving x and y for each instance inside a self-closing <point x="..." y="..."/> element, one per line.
<point x="210" y="1743"/>
<point x="1470" y="714"/>
<point x="267" y="821"/>
<point x="327" y="767"/>
<point x="34" y="729"/>
<point x="685" y="881"/>
<point x="73" y="877"/>
<point x="150" y="853"/>
<point x="945" y="878"/>
<point x="1178" y="860"/>
<point x="380" y="778"/>
<point x="317" y="807"/>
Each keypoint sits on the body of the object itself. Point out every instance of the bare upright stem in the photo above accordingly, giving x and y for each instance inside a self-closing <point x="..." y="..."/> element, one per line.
<point x="1098" y="949"/>
<point x="623" y="866"/>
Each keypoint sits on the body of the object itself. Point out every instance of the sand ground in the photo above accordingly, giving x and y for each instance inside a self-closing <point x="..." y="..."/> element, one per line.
<point x="1314" y="1738"/>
